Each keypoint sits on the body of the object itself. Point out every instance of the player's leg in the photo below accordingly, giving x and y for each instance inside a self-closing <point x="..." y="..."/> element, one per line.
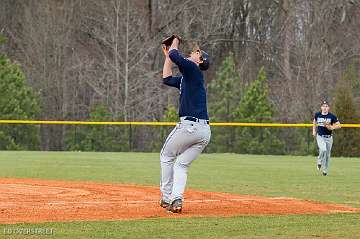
<point x="181" y="167"/>
<point x="176" y="143"/>
<point x="167" y="159"/>
<point x="329" y="142"/>
<point x="201" y="138"/>
<point x="322" y="150"/>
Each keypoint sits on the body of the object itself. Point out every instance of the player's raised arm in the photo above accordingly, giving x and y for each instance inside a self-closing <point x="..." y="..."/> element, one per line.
<point x="168" y="63"/>
<point x="174" y="44"/>
<point x="177" y="58"/>
<point x="168" y="78"/>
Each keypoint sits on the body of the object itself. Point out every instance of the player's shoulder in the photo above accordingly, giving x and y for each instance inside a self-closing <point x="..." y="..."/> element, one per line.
<point x="332" y="115"/>
<point x="317" y="114"/>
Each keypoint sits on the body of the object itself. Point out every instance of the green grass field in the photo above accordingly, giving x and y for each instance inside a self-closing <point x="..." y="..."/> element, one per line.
<point x="287" y="176"/>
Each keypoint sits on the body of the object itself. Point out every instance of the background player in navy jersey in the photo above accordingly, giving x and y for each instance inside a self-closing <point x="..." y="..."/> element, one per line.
<point x="324" y="123"/>
<point x="191" y="135"/>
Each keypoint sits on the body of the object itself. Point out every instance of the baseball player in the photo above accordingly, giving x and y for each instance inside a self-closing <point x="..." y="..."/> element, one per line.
<point x="324" y="123"/>
<point x="191" y="135"/>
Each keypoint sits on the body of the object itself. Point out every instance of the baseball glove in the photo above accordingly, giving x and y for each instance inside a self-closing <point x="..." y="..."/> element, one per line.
<point x="168" y="41"/>
<point x="328" y="125"/>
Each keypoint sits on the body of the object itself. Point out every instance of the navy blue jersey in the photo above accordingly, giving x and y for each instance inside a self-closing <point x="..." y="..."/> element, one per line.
<point x="191" y="85"/>
<point x="320" y="119"/>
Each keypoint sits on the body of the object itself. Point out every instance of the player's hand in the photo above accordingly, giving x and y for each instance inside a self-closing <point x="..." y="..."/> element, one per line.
<point x="169" y="40"/>
<point x="314" y="133"/>
<point x="165" y="50"/>
<point x="328" y="126"/>
<point x="176" y="41"/>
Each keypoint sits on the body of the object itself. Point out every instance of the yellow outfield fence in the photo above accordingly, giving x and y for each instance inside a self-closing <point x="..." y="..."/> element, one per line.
<point x="38" y="122"/>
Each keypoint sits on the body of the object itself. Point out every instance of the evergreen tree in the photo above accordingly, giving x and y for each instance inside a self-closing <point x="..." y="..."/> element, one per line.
<point x="352" y="77"/>
<point x="346" y="140"/>
<point x="170" y="115"/>
<point x="256" y="107"/>
<point x="224" y="96"/>
<point x="17" y="101"/>
<point x="98" y="137"/>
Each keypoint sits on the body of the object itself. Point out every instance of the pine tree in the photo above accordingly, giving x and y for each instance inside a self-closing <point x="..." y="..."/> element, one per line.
<point x="256" y="107"/>
<point x="346" y="140"/>
<point x="17" y="101"/>
<point x="224" y="96"/>
<point x="170" y="115"/>
<point x="98" y="137"/>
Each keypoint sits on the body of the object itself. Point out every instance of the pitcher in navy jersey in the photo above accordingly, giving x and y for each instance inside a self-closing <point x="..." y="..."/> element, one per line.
<point x="191" y="135"/>
<point x="324" y="123"/>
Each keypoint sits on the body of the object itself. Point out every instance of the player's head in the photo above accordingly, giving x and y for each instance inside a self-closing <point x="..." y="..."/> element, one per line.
<point x="325" y="106"/>
<point x="199" y="56"/>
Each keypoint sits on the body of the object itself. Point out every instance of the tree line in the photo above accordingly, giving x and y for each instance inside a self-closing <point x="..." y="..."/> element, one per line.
<point x="272" y="61"/>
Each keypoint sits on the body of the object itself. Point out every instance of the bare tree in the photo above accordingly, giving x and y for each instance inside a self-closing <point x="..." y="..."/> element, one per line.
<point x="44" y="36"/>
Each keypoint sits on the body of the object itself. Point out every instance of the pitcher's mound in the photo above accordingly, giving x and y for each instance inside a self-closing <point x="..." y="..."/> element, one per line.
<point x="31" y="200"/>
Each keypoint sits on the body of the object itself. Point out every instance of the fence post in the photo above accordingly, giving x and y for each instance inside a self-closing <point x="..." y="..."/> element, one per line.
<point x="130" y="138"/>
<point x="308" y="141"/>
<point x="75" y="136"/>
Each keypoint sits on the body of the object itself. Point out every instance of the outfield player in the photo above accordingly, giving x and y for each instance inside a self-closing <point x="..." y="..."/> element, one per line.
<point x="324" y="123"/>
<point x="191" y="135"/>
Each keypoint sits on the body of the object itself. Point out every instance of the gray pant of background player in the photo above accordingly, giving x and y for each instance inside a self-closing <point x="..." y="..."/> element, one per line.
<point x="183" y="145"/>
<point x="324" y="145"/>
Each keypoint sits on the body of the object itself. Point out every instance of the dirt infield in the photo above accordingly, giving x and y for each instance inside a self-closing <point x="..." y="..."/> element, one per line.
<point x="30" y="200"/>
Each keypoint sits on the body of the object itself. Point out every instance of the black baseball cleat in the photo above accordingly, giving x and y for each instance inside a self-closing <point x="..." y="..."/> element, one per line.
<point x="164" y="204"/>
<point x="318" y="167"/>
<point x="324" y="174"/>
<point x="175" y="206"/>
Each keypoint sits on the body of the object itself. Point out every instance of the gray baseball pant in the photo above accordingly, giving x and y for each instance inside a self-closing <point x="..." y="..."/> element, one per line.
<point x="324" y="145"/>
<point x="183" y="145"/>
